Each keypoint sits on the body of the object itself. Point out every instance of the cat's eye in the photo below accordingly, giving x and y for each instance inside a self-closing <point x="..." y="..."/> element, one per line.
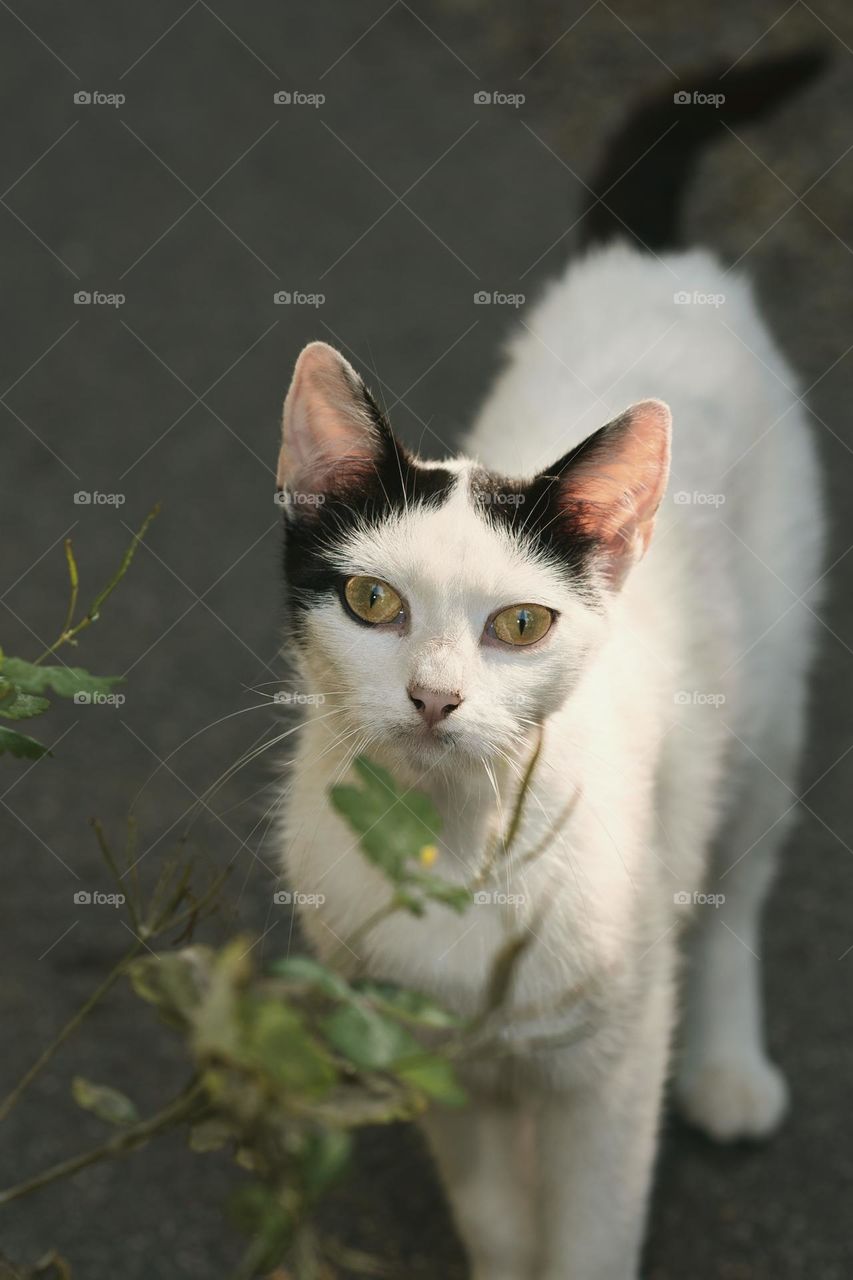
<point x="521" y="624"/>
<point x="372" y="600"/>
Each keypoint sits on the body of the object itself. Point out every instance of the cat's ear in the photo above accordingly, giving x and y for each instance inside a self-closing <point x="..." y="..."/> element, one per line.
<point x="332" y="432"/>
<point x="611" y="485"/>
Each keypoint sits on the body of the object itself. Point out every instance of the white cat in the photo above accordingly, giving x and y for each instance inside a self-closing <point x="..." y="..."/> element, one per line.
<point x="454" y="619"/>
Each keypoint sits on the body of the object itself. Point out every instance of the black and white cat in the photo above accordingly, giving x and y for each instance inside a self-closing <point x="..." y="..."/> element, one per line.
<point x="646" y="618"/>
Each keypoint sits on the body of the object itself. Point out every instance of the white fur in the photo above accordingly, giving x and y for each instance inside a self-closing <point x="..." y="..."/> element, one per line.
<point x="710" y="613"/>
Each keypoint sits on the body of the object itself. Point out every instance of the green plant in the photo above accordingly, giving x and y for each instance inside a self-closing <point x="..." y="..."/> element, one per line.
<point x="285" y="1062"/>
<point x="24" y="685"/>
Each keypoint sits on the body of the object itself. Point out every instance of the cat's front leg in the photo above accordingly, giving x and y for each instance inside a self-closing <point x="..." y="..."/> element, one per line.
<point x="596" y="1146"/>
<point x="478" y="1153"/>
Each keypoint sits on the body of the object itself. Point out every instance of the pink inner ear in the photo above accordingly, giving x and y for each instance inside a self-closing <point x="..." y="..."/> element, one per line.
<point x="615" y="491"/>
<point x="326" y="430"/>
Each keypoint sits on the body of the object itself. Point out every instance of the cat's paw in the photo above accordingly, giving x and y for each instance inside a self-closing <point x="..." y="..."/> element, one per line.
<point x="733" y="1098"/>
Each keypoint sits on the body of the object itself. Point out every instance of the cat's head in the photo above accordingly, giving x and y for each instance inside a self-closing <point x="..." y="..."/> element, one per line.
<point x="448" y="610"/>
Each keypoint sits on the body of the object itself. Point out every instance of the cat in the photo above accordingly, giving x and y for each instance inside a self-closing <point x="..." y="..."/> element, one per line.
<point x="626" y="608"/>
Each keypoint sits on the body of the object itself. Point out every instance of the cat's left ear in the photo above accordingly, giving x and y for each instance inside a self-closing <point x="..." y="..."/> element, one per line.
<point x="611" y="485"/>
<point x="333" y="434"/>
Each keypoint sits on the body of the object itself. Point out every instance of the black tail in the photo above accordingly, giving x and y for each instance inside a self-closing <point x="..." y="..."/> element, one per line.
<point x="640" y="186"/>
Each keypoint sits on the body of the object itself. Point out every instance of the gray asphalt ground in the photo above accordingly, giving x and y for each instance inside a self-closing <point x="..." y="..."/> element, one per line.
<point x="198" y="198"/>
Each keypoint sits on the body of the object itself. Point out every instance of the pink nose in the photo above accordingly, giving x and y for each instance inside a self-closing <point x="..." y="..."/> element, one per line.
<point x="432" y="704"/>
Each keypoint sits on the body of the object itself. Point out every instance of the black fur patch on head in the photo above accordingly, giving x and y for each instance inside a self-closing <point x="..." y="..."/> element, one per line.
<point x="536" y="513"/>
<point x="393" y="482"/>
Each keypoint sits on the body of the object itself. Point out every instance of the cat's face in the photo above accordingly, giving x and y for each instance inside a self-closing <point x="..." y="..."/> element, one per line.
<point x="448" y="611"/>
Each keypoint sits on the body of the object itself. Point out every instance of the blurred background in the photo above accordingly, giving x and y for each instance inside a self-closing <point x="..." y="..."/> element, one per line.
<point x="146" y="161"/>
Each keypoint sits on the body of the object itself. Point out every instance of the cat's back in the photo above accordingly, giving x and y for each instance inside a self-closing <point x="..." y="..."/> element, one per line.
<point x="621" y="325"/>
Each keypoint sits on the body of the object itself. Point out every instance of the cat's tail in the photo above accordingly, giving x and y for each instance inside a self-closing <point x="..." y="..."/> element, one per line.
<point x="640" y="185"/>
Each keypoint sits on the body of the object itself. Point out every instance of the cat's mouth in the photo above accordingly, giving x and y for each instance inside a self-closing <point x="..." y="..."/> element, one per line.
<point x="432" y="743"/>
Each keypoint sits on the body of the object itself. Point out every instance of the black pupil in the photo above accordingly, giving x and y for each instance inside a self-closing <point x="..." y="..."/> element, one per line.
<point x="376" y="594"/>
<point x="524" y="617"/>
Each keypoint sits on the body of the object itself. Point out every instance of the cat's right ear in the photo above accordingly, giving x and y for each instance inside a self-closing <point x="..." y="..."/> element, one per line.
<point x="333" y="434"/>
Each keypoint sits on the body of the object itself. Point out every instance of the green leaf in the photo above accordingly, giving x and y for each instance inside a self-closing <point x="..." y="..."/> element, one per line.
<point x="310" y="973"/>
<point x="409" y="1006"/>
<point x="64" y="681"/>
<point x="393" y="825"/>
<point x="455" y="896"/>
<point x="435" y="1077"/>
<point x="20" y="745"/>
<point x="257" y="1211"/>
<point x="173" y="982"/>
<point x="16" y="705"/>
<point x="325" y="1156"/>
<point x="107" y="1103"/>
<point x="278" y="1041"/>
<point x="367" y="1038"/>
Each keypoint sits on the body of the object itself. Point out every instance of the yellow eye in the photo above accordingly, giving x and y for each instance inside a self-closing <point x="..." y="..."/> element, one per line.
<point x="373" y="600"/>
<point x="522" y="624"/>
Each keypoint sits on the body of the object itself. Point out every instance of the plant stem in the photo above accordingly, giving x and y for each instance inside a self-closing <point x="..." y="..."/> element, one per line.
<point x="366" y="926"/>
<point x="70" y="1027"/>
<point x="74" y="579"/>
<point x="68" y="632"/>
<point x="505" y="842"/>
<point x="177" y="1111"/>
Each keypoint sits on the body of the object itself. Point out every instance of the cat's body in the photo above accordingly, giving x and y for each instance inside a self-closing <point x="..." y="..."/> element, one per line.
<point x="667" y="705"/>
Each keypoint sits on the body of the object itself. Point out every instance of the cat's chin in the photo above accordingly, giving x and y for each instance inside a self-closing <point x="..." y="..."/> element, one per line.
<point x="429" y="748"/>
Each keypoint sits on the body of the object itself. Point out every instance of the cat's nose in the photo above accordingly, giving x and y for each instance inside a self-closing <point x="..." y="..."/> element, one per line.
<point x="433" y="704"/>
